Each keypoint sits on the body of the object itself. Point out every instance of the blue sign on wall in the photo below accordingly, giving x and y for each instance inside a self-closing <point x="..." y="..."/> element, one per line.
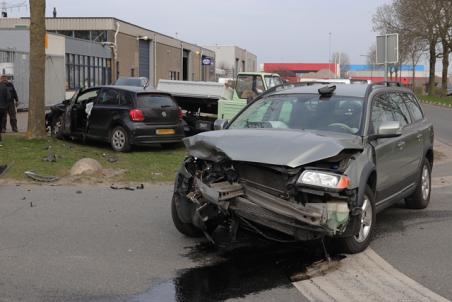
<point x="207" y="61"/>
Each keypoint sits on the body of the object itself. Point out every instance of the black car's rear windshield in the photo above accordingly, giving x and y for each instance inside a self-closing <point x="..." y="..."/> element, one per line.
<point x="155" y="101"/>
<point x="304" y="111"/>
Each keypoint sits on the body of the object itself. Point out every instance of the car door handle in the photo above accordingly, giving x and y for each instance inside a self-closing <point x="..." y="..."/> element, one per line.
<point x="401" y="145"/>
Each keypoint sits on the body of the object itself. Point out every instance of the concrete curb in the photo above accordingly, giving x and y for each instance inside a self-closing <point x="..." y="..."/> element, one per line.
<point x="436" y="104"/>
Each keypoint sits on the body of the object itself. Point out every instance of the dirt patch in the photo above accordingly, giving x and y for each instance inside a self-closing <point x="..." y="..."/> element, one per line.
<point x="442" y="153"/>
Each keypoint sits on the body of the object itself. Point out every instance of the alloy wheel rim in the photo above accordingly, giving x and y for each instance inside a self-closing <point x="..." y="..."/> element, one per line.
<point x="119" y="139"/>
<point x="425" y="182"/>
<point x="366" y="220"/>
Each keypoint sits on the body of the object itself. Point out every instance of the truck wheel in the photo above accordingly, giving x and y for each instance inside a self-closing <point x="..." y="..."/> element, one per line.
<point x="421" y="196"/>
<point x="187" y="229"/>
<point x="56" y="128"/>
<point x="119" y="139"/>
<point x="359" y="242"/>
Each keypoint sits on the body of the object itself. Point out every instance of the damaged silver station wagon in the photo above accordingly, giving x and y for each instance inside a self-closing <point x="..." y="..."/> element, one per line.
<point x="307" y="162"/>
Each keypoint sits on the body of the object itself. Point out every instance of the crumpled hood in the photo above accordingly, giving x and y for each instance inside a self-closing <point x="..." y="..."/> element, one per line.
<point x="282" y="147"/>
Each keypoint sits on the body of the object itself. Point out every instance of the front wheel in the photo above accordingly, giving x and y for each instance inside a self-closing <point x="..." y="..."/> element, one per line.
<point x="56" y="127"/>
<point x="421" y="196"/>
<point x="188" y="229"/>
<point x="119" y="139"/>
<point x="359" y="242"/>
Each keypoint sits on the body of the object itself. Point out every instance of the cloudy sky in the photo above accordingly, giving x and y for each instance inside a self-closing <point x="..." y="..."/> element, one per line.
<point x="275" y="30"/>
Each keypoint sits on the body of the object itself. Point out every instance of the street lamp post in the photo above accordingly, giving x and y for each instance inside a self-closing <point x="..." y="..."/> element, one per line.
<point x="329" y="51"/>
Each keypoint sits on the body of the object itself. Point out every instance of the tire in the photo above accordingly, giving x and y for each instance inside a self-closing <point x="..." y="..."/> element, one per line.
<point x="358" y="243"/>
<point x="56" y="128"/>
<point x="187" y="229"/>
<point x="119" y="139"/>
<point x="421" y="196"/>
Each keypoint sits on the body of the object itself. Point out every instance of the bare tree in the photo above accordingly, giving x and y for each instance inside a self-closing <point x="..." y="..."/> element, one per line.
<point x="344" y="62"/>
<point x="36" y="113"/>
<point x="414" y="20"/>
<point x="444" y="30"/>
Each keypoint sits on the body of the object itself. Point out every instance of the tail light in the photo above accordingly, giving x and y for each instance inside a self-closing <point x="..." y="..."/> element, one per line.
<point x="180" y="114"/>
<point x="136" y="115"/>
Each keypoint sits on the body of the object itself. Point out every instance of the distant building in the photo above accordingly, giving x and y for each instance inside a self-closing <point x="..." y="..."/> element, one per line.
<point x="294" y="71"/>
<point x="137" y="51"/>
<point x="232" y="59"/>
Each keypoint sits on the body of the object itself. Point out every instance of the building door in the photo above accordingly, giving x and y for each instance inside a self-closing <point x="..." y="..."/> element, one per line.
<point x="185" y="65"/>
<point x="144" y="58"/>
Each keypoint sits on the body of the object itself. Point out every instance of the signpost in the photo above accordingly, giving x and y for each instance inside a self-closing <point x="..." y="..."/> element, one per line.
<point x="387" y="50"/>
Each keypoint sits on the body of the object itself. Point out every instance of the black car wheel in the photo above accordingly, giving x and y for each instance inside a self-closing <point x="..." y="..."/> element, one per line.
<point x="359" y="242"/>
<point x="421" y="196"/>
<point x="188" y="229"/>
<point x="56" y="128"/>
<point x="119" y="139"/>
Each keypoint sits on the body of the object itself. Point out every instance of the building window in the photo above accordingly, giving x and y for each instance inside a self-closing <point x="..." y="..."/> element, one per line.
<point x="99" y="35"/>
<point x="84" y="71"/>
<point x="82" y="34"/>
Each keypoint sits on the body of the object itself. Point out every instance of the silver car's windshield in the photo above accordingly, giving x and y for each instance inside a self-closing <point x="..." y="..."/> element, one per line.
<point x="303" y="111"/>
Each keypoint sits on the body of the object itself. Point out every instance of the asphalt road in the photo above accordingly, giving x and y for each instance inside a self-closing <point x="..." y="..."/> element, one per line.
<point x="88" y="243"/>
<point x="441" y="118"/>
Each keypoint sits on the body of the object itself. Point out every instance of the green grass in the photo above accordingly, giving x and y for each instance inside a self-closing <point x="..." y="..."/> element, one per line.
<point x="445" y="100"/>
<point x="142" y="164"/>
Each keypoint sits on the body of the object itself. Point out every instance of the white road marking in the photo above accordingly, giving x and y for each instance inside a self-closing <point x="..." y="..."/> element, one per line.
<point x="365" y="277"/>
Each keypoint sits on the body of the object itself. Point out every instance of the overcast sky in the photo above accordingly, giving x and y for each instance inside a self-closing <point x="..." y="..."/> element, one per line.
<point x="275" y="30"/>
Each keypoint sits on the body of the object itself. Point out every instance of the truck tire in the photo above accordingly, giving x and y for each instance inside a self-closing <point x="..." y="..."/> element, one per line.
<point x="421" y="196"/>
<point x="359" y="242"/>
<point x="187" y="229"/>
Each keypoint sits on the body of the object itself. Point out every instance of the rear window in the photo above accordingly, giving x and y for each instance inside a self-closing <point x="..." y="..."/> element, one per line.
<point x="155" y="101"/>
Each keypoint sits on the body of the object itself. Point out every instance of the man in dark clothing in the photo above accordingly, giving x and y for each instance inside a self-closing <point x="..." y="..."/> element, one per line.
<point x="5" y="99"/>
<point x="11" y="108"/>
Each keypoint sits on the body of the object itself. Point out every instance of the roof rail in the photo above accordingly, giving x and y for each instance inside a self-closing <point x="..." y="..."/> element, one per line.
<point x="288" y="86"/>
<point x="372" y="86"/>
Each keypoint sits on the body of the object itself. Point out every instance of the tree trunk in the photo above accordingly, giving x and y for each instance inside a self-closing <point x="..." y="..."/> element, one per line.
<point x="431" y="79"/>
<point x="36" y="113"/>
<point x="446" y="52"/>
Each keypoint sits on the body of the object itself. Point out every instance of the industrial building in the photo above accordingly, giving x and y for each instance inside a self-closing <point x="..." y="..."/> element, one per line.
<point x="136" y="51"/>
<point x="231" y="59"/>
<point x="70" y="64"/>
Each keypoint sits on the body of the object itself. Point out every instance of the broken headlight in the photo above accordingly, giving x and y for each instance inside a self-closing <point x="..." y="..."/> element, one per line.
<point x="323" y="179"/>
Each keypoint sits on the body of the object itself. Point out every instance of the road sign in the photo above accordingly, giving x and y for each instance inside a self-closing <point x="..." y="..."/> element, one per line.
<point x="388" y="49"/>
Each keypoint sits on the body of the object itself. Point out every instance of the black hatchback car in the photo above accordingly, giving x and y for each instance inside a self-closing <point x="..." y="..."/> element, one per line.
<point x="120" y="115"/>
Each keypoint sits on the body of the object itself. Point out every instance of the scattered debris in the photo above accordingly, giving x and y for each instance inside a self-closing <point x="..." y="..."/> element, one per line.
<point x="110" y="158"/>
<point x="78" y="192"/>
<point x="31" y="204"/>
<point x="140" y="187"/>
<point x="51" y="158"/>
<point x="41" y="178"/>
<point x="319" y="268"/>
<point x="156" y="173"/>
<point x="23" y="198"/>
<point x="3" y="169"/>
<point x="86" y="166"/>
<point x="122" y="188"/>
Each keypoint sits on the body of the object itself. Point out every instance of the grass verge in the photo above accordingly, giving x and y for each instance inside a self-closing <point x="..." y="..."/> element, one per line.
<point x="142" y="165"/>
<point x="443" y="100"/>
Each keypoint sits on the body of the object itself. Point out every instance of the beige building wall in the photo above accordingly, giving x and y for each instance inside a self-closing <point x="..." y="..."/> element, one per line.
<point x="127" y="55"/>
<point x="168" y="59"/>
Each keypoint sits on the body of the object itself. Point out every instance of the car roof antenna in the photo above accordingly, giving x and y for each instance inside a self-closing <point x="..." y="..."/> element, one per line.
<point x="327" y="91"/>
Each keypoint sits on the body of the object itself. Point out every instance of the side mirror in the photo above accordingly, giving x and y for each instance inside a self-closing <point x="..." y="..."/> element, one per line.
<point x="220" y="124"/>
<point x="389" y="129"/>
